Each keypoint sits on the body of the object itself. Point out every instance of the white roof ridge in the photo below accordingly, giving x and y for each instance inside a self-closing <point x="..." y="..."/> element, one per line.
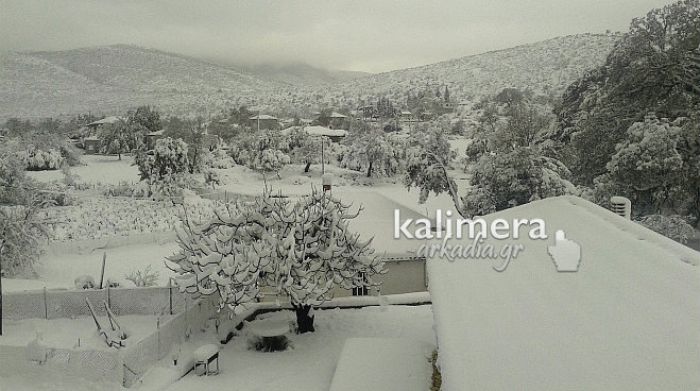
<point x="637" y="230"/>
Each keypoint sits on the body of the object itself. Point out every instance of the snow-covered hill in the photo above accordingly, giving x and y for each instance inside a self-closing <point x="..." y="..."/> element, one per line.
<point x="112" y="79"/>
<point x="544" y="66"/>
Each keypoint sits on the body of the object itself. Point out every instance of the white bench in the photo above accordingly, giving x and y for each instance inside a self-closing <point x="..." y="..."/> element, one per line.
<point x="205" y="355"/>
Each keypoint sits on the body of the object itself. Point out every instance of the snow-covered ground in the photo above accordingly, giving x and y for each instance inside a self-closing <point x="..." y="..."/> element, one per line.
<point x="97" y="169"/>
<point x="60" y="270"/>
<point x="386" y="364"/>
<point x="109" y="219"/>
<point x="310" y="363"/>
<point x="64" y="333"/>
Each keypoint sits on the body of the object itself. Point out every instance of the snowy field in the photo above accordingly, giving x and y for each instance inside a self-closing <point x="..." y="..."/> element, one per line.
<point x="97" y="170"/>
<point x="119" y="225"/>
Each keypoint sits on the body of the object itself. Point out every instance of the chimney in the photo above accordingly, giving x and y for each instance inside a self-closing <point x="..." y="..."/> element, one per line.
<point x="621" y="206"/>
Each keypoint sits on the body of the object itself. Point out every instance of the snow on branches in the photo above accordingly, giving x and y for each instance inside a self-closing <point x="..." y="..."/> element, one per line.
<point x="302" y="250"/>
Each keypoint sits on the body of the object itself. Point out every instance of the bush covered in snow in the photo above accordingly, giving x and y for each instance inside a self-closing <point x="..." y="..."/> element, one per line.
<point x="374" y="153"/>
<point x="218" y="158"/>
<point x="674" y="227"/>
<point x="505" y="180"/>
<point x="166" y="168"/>
<point x="22" y="231"/>
<point x="143" y="278"/>
<point x="262" y="151"/>
<point x="37" y="159"/>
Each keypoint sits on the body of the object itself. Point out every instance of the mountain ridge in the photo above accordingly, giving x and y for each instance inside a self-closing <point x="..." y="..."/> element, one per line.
<point x="110" y="79"/>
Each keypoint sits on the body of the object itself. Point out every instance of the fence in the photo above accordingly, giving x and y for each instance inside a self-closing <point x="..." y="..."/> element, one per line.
<point x="53" y="304"/>
<point x="139" y="358"/>
<point x="123" y="366"/>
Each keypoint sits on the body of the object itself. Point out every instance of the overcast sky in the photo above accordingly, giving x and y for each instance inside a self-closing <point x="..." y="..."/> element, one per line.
<point x="363" y="35"/>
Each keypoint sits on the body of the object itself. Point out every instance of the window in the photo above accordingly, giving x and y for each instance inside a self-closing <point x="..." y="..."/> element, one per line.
<point x="361" y="290"/>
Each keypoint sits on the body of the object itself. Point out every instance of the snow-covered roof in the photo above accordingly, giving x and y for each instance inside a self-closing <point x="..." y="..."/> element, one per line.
<point x="628" y="319"/>
<point x="156" y="133"/>
<point x="263" y="117"/>
<point x="106" y="120"/>
<point x="324" y="131"/>
<point x="377" y="221"/>
<point x="336" y="115"/>
<point x="386" y="364"/>
<point x="91" y="138"/>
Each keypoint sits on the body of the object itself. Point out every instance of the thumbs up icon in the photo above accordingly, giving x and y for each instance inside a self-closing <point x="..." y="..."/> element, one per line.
<point x="565" y="253"/>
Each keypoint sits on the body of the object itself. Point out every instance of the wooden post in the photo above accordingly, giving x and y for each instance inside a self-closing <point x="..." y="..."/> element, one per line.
<point x="170" y="294"/>
<point x="323" y="161"/>
<point x="102" y="274"/>
<point x="46" y="304"/>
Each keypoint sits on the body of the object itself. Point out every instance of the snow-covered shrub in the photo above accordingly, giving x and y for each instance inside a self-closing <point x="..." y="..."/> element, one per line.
<point x="85" y="282"/>
<point x="165" y="168"/>
<point x="374" y="153"/>
<point x="504" y="180"/>
<point x="428" y="159"/>
<point x="269" y="161"/>
<point x="14" y="183"/>
<point x="269" y="344"/>
<point x="145" y="278"/>
<point x="303" y="250"/>
<point x="22" y="232"/>
<point x="36" y="159"/>
<point x="121" y="137"/>
<point x="218" y="158"/>
<point x="648" y="166"/>
<point x="674" y="227"/>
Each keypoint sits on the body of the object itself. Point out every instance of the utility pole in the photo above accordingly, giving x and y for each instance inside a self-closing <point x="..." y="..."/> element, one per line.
<point x="2" y="244"/>
<point x="323" y="160"/>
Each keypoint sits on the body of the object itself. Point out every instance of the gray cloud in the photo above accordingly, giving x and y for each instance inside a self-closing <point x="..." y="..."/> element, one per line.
<point x="363" y="35"/>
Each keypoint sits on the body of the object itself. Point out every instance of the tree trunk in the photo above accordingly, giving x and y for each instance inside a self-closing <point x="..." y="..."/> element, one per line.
<point x="120" y="155"/>
<point x="305" y="323"/>
<point x="369" y="170"/>
<point x="308" y="166"/>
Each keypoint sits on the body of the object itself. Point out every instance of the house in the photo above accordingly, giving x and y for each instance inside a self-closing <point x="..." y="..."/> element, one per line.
<point x="263" y="121"/>
<point x="627" y="319"/>
<point x="151" y="138"/>
<point x="334" y="134"/>
<point x="406" y="116"/>
<point x="91" y="144"/>
<point x="334" y="120"/>
<point x="405" y="268"/>
<point x="104" y="121"/>
<point x="317" y="131"/>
